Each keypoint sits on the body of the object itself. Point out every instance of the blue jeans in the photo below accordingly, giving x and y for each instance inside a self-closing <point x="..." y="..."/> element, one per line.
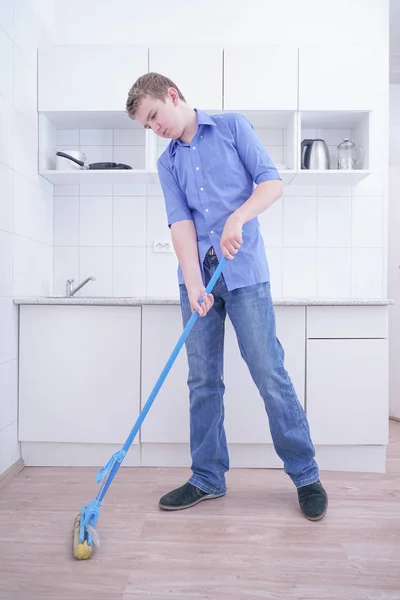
<point x="251" y="312"/>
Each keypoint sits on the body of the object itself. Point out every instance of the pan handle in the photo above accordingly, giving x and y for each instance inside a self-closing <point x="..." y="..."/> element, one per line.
<point x="75" y="160"/>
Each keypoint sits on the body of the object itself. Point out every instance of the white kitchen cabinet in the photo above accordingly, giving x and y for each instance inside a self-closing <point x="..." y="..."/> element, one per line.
<point x="260" y="77"/>
<point x="340" y="77"/>
<point x="195" y="70"/>
<point x="88" y="77"/>
<point x="79" y="373"/>
<point x="168" y="417"/>
<point x="347" y="391"/>
<point x="246" y="420"/>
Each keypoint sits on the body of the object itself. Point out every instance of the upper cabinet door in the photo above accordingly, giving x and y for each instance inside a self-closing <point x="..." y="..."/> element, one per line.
<point x="88" y="78"/>
<point x="340" y="78"/>
<point x="195" y="70"/>
<point x="260" y="78"/>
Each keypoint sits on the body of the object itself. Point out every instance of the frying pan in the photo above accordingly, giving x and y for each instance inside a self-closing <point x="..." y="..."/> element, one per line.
<point x="98" y="165"/>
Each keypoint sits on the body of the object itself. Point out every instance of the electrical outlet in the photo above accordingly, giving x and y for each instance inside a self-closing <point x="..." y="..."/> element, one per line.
<point x="159" y="246"/>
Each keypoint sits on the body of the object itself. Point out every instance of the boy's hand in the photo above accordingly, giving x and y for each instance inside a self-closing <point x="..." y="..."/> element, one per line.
<point x="194" y="296"/>
<point x="231" y="238"/>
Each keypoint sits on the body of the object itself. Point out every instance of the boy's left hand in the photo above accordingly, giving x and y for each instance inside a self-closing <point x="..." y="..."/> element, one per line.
<point x="231" y="238"/>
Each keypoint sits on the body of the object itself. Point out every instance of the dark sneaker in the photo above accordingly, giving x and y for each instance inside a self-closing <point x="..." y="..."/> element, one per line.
<point x="184" y="497"/>
<point x="313" y="500"/>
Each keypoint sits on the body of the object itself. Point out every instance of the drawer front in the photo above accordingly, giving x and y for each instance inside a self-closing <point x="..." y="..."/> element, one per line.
<point x="347" y="322"/>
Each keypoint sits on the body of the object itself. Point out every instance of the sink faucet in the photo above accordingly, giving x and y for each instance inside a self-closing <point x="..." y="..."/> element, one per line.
<point x="70" y="290"/>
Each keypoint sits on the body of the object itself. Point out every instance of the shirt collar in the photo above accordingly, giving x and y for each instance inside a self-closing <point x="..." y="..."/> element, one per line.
<point x="202" y="119"/>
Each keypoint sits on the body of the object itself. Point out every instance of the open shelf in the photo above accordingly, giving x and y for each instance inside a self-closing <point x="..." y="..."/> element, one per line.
<point x="280" y="132"/>
<point x="104" y="177"/>
<point x="333" y="127"/>
<point x="97" y="176"/>
<point x="329" y="177"/>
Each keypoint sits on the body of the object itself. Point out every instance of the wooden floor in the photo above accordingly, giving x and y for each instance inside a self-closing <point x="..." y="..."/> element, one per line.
<point x="253" y="543"/>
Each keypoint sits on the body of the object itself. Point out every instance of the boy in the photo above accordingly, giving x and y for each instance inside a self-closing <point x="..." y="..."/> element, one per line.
<point x="207" y="174"/>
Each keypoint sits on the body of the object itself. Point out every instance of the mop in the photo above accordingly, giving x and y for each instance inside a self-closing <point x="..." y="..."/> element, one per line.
<point x="85" y="535"/>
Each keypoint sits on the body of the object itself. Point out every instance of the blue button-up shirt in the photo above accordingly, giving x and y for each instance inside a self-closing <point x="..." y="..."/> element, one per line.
<point x="207" y="180"/>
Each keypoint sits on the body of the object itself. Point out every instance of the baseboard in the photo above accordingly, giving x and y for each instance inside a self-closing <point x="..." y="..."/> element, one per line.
<point x="360" y="458"/>
<point x="11" y="472"/>
<point x="395" y="419"/>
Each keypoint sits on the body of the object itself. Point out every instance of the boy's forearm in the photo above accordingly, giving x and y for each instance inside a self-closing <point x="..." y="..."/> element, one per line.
<point x="264" y="195"/>
<point x="184" y="239"/>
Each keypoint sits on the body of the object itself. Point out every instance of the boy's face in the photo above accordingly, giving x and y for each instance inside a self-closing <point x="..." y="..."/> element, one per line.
<point x="164" y="118"/>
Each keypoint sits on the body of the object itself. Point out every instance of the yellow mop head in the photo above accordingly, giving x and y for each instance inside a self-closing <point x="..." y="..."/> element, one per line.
<point x="82" y="551"/>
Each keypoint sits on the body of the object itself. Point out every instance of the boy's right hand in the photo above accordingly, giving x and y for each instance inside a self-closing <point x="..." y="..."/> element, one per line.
<point x="194" y="296"/>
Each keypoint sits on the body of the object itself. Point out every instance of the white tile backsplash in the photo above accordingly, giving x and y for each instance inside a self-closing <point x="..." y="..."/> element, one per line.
<point x="130" y="221"/>
<point x="66" y="221"/>
<point x="27" y="30"/>
<point x="299" y="222"/>
<point x="66" y="266"/>
<point x="6" y="263"/>
<point x="25" y="87"/>
<point x="25" y="146"/>
<point x="7" y="16"/>
<point x="93" y="189"/>
<point x="367" y="222"/>
<point x="333" y="190"/>
<point x="271" y="224"/>
<point x="96" y="137"/>
<point x="300" y="191"/>
<point x="66" y="190"/>
<point x="6" y="198"/>
<point x="97" y="153"/>
<point x="133" y="156"/>
<point x="334" y="222"/>
<point x="130" y="271"/>
<point x="99" y="263"/>
<point x="126" y="189"/>
<point x="333" y="273"/>
<point x="366" y="272"/>
<point x="274" y="258"/>
<point x="32" y="267"/>
<point x="129" y="137"/>
<point x="270" y="137"/>
<point x="95" y="221"/>
<point x="6" y="71"/>
<point x="68" y="137"/>
<point x="157" y="223"/>
<point x="33" y="211"/>
<point x="162" y="278"/>
<point x="299" y="272"/>
<point x="7" y="141"/>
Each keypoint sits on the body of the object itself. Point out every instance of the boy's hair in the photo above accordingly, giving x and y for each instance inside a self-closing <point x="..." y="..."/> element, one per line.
<point x="149" y="84"/>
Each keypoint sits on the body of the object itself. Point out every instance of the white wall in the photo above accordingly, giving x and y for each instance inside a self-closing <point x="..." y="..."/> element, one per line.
<point x="223" y="22"/>
<point x="394" y="249"/>
<point x="26" y="201"/>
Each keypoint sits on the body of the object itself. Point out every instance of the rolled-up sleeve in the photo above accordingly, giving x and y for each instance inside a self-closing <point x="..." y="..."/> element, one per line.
<point x="251" y="151"/>
<point x="175" y="200"/>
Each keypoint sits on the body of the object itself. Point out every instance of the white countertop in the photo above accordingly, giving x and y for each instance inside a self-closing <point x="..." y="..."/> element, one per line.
<point x="140" y="301"/>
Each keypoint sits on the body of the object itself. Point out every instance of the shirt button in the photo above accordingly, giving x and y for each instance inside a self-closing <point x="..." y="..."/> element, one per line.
<point x="197" y="168"/>
<point x="194" y="148"/>
<point x="212" y="231"/>
<point x="201" y="137"/>
<point x="206" y="209"/>
<point x="201" y="189"/>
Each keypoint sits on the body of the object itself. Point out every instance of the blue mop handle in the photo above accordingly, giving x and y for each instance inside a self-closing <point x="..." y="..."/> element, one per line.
<point x="118" y="457"/>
